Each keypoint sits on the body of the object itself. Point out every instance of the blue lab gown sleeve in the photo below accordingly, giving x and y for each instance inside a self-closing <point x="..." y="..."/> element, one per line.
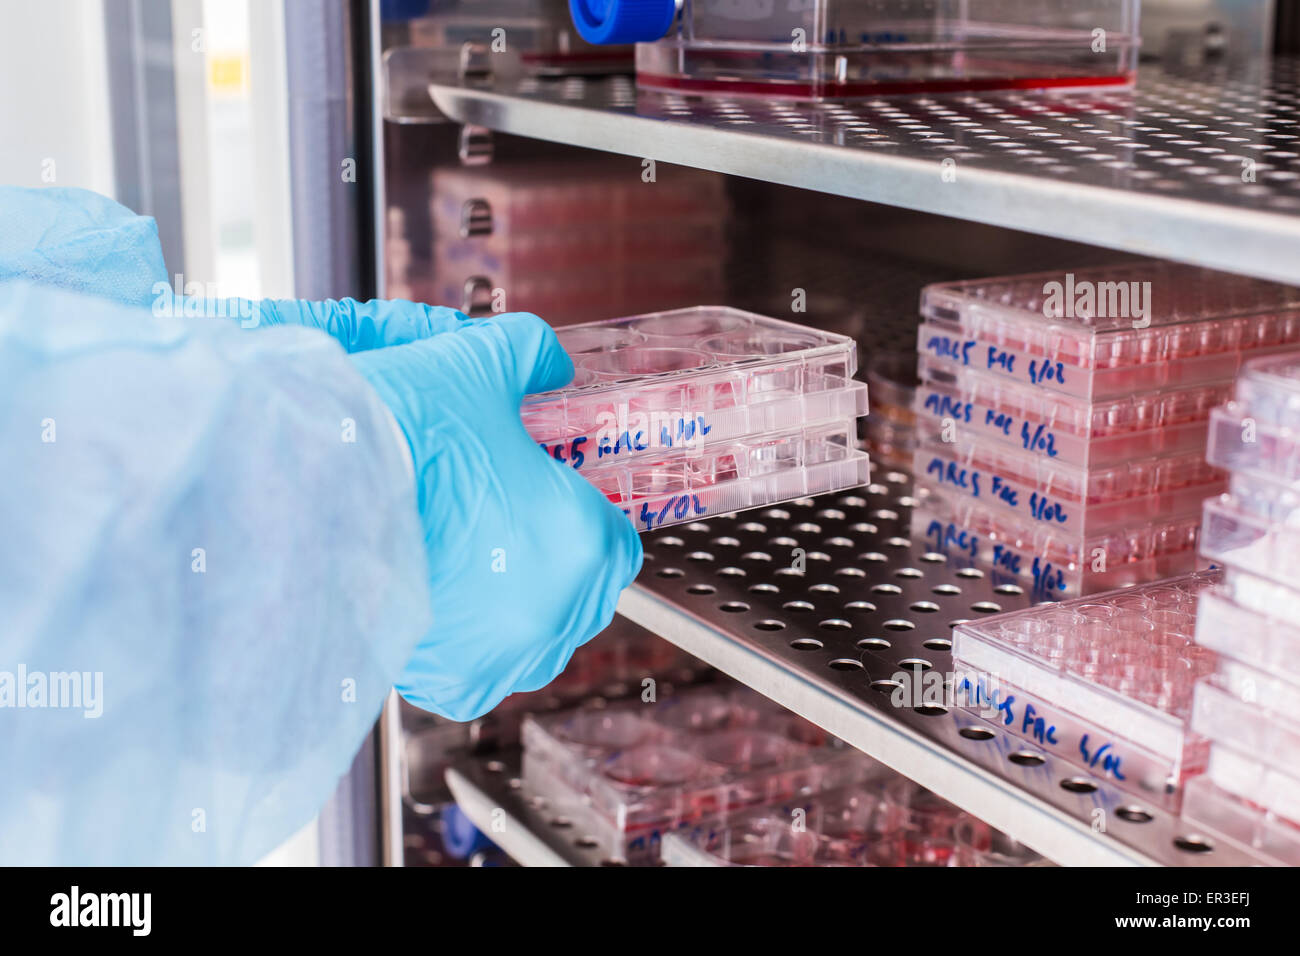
<point x="212" y="572"/>
<point x="79" y="240"/>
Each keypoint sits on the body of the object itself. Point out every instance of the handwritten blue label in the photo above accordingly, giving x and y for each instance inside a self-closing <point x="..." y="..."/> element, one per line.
<point x="1038" y="439"/>
<point x="975" y="483"/>
<point x="1032" y="436"/>
<point x="949" y="538"/>
<point x="946" y="538"/>
<point x="1103" y="758"/>
<point x="951" y="473"/>
<point x="679" y="507"/>
<point x="1035" y="723"/>
<point x="682" y="431"/>
<point x="945" y="346"/>
<point x="945" y="406"/>
<point x="1001" y="360"/>
<point x="1045" y="370"/>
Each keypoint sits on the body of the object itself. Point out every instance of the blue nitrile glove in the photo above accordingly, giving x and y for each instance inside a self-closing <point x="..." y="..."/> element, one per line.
<point x="526" y="558"/>
<point x="357" y="326"/>
<point x="79" y="240"/>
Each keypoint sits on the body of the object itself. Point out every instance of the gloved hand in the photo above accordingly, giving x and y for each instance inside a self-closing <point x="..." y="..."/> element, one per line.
<point x="526" y="559"/>
<point x="357" y="326"/>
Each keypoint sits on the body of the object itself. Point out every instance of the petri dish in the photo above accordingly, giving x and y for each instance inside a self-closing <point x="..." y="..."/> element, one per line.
<point x="654" y="765"/>
<point x="694" y="323"/>
<point x="634" y="362"/>
<point x="612" y="731"/>
<point x="744" y="343"/>
<point x="582" y="340"/>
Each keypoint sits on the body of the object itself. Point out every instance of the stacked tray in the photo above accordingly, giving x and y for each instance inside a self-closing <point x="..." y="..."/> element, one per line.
<point x="1250" y="708"/>
<point x="631" y="772"/>
<point x="1063" y="416"/>
<point x="702" y="411"/>
<point x="1104" y="682"/>
<point x="574" y="241"/>
<point x="884" y="820"/>
<point x="891" y="426"/>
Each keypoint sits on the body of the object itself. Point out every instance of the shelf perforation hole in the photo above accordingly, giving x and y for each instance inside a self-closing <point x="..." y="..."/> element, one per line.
<point x="1133" y="814"/>
<point x="1027" y="758"/>
<point x="1194" y="843"/>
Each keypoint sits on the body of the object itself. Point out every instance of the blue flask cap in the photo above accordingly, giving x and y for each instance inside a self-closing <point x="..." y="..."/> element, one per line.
<point x="622" y="21"/>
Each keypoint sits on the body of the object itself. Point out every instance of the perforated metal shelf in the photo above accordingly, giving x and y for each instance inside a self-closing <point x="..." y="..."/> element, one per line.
<point x="1203" y="168"/>
<point x="869" y="604"/>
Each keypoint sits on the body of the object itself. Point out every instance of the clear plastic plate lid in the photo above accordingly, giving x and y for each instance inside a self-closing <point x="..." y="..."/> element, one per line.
<point x="1109" y="330"/>
<point x="1053" y="561"/>
<point x="1113" y="672"/>
<point x="1054" y="491"/>
<point x="1241" y="440"/>
<point x="1255" y="528"/>
<point x="694" y="755"/>
<point x="1061" y="427"/>
<point x="1271" y="388"/>
<point x="1270" y="784"/>
<point x="668" y="384"/>
<point x="760" y="471"/>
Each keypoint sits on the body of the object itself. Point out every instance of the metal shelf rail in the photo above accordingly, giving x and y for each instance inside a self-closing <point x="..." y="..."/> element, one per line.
<point x="1201" y="167"/>
<point x="490" y="793"/>
<point x="869" y="604"/>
